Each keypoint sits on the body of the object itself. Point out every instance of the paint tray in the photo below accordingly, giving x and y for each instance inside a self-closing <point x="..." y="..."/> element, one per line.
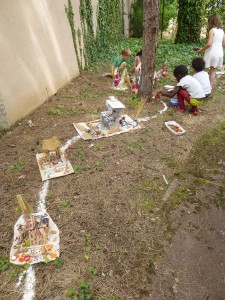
<point x="174" y="128"/>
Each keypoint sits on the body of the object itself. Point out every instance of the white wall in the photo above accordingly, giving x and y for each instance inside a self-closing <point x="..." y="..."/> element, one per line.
<point x="37" y="55"/>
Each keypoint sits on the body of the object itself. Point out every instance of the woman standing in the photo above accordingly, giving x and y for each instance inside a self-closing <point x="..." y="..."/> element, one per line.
<point x="214" y="48"/>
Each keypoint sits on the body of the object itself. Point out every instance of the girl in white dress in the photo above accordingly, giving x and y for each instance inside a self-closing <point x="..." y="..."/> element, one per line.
<point x="214" y="48"/>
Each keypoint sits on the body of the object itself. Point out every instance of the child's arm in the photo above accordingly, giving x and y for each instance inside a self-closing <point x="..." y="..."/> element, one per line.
<point x="172" y="93"/>
<point x="209" y="43"/>
<point x="223" y="40"/>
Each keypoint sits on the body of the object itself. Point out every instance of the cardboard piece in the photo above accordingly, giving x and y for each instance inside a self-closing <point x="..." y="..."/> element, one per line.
<point x="36" y="238"/>
<point x="111" y="122"/>
<point x="53" y="162"/>
<point x="126" y="124"/>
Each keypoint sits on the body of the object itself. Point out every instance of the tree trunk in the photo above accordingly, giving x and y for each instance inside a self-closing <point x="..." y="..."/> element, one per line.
<point x="150" y="37"/>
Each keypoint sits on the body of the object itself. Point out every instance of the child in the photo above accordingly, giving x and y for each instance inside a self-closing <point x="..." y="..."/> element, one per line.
<point x="188" y="88"/>
<point x="137" y="63"/>
<point x="120" y="62"/>
<point x="214" y="48"/>
<point x="198" y="65"/>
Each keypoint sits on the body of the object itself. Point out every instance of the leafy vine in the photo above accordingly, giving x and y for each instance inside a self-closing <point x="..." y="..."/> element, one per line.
<point x="109" y="31"/>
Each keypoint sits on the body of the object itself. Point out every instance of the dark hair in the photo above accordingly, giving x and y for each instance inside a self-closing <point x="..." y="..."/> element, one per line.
<point x="139" y="53"/>
<point x="198" y="64"/>
<point x="181" y="71"/>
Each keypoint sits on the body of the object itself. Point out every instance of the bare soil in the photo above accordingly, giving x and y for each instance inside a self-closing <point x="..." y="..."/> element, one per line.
<point x="145" y="239"/>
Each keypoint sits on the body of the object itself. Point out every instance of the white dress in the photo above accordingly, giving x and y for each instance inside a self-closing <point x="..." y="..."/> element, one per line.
<point x="214" y="54"/>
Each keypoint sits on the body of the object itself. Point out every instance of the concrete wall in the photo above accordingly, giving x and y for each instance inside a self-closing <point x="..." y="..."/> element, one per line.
<point x="37" y="54"/>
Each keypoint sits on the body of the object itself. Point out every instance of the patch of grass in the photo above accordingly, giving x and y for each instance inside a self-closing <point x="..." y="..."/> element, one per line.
<point x="200" y="181"/>
<point x="78" y="169"/>
<point x="98" y="165"/>
<point x="92" y="270"/>
<point x="170" y="161"/>
<point x="133" y="100"/>
<point x="72" y="110"/>
<point x="4" y="264"/>
<point x="84" y="292"/>
<point x="66" y="203"/>
<point x="58" y="262"/>
<point x="57" y="111"/>
<point x="16" y="167"/>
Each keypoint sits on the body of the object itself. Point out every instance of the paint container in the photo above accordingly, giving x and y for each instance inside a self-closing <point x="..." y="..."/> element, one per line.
<point x="174" y="101"/>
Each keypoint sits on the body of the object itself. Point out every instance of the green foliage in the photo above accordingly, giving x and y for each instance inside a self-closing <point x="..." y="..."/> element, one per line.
<point x="189" y="21"/>
<point x="70" y="16"/>
<point x="58" y="262"/>
<point x="170" y="12"/>
<point x="110" y="30"/>
<point x="4" y="264"/>
<point x="136" y="19"/>
<point x="92" y="270"/>
<point x="133" y="100"/>
<point x="16" y="167"/>
<point x="212" y="6"/>
<point x="84" y="292"/>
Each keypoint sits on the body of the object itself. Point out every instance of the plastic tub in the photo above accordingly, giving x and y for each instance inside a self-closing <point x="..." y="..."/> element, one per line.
<point x="174" y="128"/>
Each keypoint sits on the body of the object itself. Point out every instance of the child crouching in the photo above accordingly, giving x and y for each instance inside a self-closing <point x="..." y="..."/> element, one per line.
<point x="187" y="88"/>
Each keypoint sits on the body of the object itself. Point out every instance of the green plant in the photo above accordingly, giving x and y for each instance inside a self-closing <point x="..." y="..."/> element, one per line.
<point x="57" y="111"/>
<point x="98" y="165"/>
<point x="58" y="262"/>
<point x="92" y="270"/>
<point x="16" y="167"/>
<point x="78" y="169"/>
<point x="66" y="202"/>
<point x="4" y="264"/>
<point x="84" y="292"/>
<point x="133" y="100"/>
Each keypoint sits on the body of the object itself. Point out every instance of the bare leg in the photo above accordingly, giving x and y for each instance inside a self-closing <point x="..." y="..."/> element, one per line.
<point x="212" y="76"/>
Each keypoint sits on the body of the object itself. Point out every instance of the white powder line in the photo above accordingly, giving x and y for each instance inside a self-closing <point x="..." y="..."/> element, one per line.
<point x="165" y="107"/>
<point x="29" y="284"/>
<point x="145" y="119"/>
<point x="42" y="195"/>
<point x="20" y="279"/>
<point x="70" y="142"/>
<point x="26" y="283"/>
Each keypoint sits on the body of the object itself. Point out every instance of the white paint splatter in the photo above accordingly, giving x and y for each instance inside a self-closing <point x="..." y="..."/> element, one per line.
<point x="42" y="195"/>
<point x="69" y="142"/>
<point x="27" y="286"/>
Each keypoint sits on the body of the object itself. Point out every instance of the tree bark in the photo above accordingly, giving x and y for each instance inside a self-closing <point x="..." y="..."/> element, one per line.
<point x="150" y="37"/>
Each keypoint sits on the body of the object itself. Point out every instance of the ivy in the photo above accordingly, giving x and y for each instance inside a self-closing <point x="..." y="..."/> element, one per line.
<point x="109" y="31"/>
<point x="70" y="16"/>
<point x="189" y="21"/>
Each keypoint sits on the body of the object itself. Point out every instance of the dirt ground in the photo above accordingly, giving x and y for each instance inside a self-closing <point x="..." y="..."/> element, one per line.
<point x="123" y="230"/>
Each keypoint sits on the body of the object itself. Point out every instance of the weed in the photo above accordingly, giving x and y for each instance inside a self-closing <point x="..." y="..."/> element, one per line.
<point x="200" y="181"/>
<point x="15" y="168"/>
<point x="80" y="153"/>
<point x="170" y="161"/>
<point x="78" y="169"/>
<point x="98" y="165"/>
<point x="72" y="110"/>
<point x="4" y="264"/>
<point x="58" y="262"/>
<point x="133" y="100"/>
<point x="171" y="111"/>
<point x="84" y="292"/>
<point x="131" y="147"/>
<point x="66" y="202"/>
<point x="92" y="270"/>
<point x="57" y="111"/>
